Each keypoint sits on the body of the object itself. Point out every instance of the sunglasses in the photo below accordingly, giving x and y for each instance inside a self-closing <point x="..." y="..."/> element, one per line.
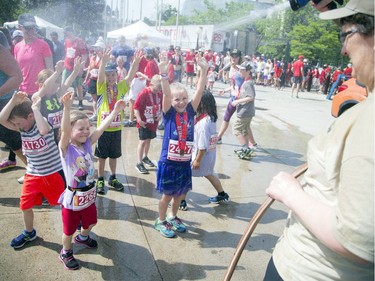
<point x="28" y="27"/>
<point x="343" y="35"/>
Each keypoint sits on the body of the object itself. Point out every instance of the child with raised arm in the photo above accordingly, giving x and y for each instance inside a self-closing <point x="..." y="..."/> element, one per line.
<point x="78" y="200"/>
<point x="43" y="167"/>
<point x="51" y="90"/>
<point x="204" y="150"/>
<point x="109" y="91"/>
<point x="174" y="177"/>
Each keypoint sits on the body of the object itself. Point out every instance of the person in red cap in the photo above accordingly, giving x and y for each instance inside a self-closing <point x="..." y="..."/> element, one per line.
<point x="297" y="74"/>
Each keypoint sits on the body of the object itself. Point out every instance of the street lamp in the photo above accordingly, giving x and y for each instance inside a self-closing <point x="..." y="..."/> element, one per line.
<point x="199" y="32"/>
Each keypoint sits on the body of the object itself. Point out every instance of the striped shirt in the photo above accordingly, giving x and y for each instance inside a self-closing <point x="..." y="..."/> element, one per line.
<point x="41" y="152"/>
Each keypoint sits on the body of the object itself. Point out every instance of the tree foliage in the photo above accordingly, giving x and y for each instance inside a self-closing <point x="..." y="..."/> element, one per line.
<point x="84" y="16"/>
<point x="9" y="10"/>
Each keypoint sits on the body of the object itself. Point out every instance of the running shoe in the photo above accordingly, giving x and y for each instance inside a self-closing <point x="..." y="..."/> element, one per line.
<point x="23" y="238"/>
<point x="68" y="260"/>
<point x="100" y="187"/>
<point x="219" y="198"/>
<point x="183" y="205"/>
<point x="89" y="243"/>
<point x="176" y="224"/>
<point x="164" y="228"/>
<point x="116" y="184"/>
<point x="7" y="164"/>
<point x="141" y="168"/>
<point x="148" y="162"/>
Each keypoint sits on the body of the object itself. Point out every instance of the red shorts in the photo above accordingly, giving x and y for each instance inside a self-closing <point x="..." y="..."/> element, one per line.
<point x="35" y="187"/>
<point x="71" y="218"/>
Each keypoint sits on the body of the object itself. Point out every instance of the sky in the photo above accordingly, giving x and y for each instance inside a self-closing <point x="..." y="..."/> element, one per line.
<point x="148" y="7"/>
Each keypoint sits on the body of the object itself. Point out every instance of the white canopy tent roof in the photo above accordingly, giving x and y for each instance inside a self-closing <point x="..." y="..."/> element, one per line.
<point x="139" y="29"/>
<point x="40" y="23"/>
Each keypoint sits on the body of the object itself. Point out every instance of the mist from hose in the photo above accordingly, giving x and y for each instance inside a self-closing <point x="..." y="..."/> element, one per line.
<point x="254" y="15"/>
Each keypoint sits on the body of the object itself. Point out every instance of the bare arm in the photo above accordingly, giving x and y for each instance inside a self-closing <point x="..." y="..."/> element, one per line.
<point x="197" y="161"/>
<point x="79" y="64"/>
<point x="67" y="101"/>
<point x="41" y="122"/>
<point x="202" y="82"/>
<point x="48" y="86"/>
<point x="105" y="58"/>
<point x="17" y="98"/>
<point x="315" y="215"/>
<point x="166" y="89"/>
<point x="10" y="67"/>
<point x="134" y="67"/>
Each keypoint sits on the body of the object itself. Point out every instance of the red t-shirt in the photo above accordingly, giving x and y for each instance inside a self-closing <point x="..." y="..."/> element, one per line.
<point x="151" y="69"/>
<point x="149" y="106"/>
<point x="348" y="72"/>
<point x="189" y="59"/>
<point x="297" y="66"/>
<point x="73" y="48"/>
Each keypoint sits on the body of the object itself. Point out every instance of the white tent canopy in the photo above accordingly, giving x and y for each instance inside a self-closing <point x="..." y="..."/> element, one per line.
<point x="40" y="23"/>
<point x="138" y="29"/>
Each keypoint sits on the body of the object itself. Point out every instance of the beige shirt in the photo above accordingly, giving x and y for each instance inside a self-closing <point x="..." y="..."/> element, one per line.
<point x="341" y="174"/>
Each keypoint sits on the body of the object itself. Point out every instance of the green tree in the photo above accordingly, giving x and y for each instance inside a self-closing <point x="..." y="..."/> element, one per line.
<point x="9" y="10"/>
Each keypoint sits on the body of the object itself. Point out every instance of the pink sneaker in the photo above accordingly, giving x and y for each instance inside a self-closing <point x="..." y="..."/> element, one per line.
<point x="7" y="164"/>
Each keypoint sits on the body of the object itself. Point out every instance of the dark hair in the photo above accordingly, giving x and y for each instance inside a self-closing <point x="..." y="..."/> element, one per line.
<point x="21" y="110"/>
<point x="208" y="105"/>
<point x="364" y="23"/>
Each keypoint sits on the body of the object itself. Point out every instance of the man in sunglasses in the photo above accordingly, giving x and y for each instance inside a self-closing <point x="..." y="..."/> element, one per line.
<point x="32" y="54"/>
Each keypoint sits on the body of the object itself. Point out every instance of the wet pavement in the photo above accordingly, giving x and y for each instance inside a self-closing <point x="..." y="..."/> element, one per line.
<point x="131" y="249"/>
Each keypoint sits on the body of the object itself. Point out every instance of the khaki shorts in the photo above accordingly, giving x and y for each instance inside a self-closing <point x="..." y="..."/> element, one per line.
<point x="241" y="126"/>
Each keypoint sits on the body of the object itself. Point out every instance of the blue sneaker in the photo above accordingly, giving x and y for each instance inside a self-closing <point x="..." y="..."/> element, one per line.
<point x="177" y="224"/>
<point x="164" y="228"/>
<point x="23" y="238"/>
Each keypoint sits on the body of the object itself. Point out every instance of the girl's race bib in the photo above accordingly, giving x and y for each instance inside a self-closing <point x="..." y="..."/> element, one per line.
<point x="175" y="154"/>
<point x="83" y="199"/>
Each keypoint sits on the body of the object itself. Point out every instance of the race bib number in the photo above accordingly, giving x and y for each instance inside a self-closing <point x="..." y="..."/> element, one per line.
<point x="34" y="145"/>
<point x="175" y="154"/>
<point x="83" y="199"/>
<point x="70" y="53"/>
<point x="213" y="141"/>
<point x="116" y="123"/>
<point x="149" y="114"/>
<point x="55" y="119"/>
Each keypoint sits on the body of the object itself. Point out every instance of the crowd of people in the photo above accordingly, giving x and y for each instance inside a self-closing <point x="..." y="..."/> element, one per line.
<point x="40" y="80"/>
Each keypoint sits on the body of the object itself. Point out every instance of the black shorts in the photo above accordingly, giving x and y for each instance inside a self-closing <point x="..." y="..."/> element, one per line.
<point x="146" y="134"/>
<point x="109" y="145"/>
<point x="92" y="87"/>
<point x="189" y="74"/>
<point x="297" y="79"/>
<point x="9" y="137"/>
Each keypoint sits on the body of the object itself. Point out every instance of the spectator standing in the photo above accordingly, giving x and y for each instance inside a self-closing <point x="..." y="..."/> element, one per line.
<point x="297" y="75"/>
<point x="58" y="52"/>
<point x="122" y="49"/>
<point x="10" y="79"/>
<point x="32" y="54"/>
<point x="74" y="47"/>
<point x="189" y="67"/>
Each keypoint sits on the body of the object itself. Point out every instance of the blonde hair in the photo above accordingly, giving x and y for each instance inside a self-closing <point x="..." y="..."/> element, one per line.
<point x="156" y="80"/>
<point x="43" y="75"/>
<point x="177" y="87"/>
<point x="76" y="115"/>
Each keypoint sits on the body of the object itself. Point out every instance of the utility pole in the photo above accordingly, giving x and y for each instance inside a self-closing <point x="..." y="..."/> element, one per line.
<point x="140" y="14"/>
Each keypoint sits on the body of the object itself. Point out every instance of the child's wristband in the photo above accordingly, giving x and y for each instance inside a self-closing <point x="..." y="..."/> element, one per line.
<point x="164" y="75"/>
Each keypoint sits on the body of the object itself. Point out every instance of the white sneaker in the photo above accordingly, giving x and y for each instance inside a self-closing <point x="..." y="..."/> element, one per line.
<point x="20" y="180"/>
